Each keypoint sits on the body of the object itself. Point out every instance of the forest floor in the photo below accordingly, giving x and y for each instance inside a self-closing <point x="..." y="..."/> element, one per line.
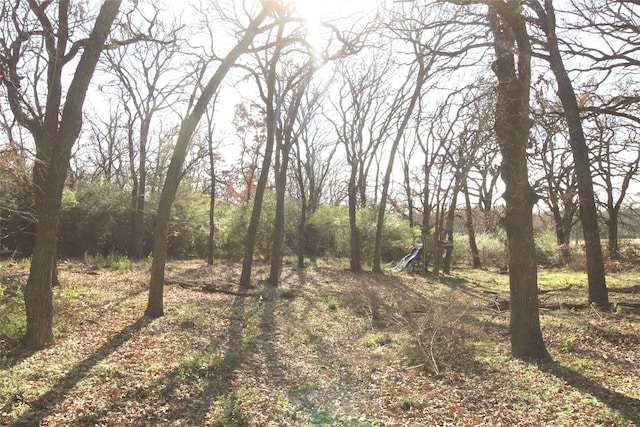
<point x="326" y="347"/>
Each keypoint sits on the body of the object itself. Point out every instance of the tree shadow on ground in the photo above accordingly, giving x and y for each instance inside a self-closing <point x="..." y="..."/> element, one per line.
<point x="208" y="389"/>
<point x="626" y="406"/>
<point x="14" y="357"/>
<point x="41" y="408"/>
<point x="309" y="397"/>
<point x="208" y="376"/>
<point x="474" y="290"/>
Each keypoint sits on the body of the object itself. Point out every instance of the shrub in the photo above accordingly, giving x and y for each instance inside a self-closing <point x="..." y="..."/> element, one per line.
<point x="492" y="248"/>
<point x="115" y="261"/>
<point x="12" y="318"/>
<point x="328" y="232"/>
<point x="461" y="249"/>
<point x="95" y="219"/>
<point x="189" y="225"/>
<point x="548" y="252"/>
<point x="232" y="222"/>
<point x="397" y="236"/>
<point x="231" y="228"/>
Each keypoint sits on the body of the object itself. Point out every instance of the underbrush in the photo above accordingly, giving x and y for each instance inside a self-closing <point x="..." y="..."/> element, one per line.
<point x="113" y="260"/>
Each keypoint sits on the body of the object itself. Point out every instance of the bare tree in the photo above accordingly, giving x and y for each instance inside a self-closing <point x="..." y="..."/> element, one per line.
<point x="423" y="67"/>
<point x="249" y="121"/>
<point x="588" y="215"/>
<point x="47" y="34"/>
<point x="213" y="157"/>
<point x="479" y="134"/>
<point x="461" y="156"/>
<point x="155" y="305"/>
<point x="145" y="86"/>
<point x="287" y="134"/>
<point x="269" y="70"/>
<point x="314" y="154"/>
<point x="437" y="46"/>
<point x="361" y="123"/>
<point x="436" y="132"/>
<point x="616" y="154"/>
<point x="512" y="125"/>
<point x="107" y="152"/>
<point x="557" y="184"/>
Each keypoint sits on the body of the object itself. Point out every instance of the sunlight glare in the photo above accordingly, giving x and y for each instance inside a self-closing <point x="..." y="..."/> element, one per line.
<point x="316" y="9"/>
<point x="313" y="11"/>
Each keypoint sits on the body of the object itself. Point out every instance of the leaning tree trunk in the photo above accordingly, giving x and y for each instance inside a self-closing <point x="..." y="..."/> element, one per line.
<point x="598" y="293"/>
<point x="377" y="252"/>
<point x="512" y="130"/>
<point x="272" y="119"/>
<point x="155" y="303"/>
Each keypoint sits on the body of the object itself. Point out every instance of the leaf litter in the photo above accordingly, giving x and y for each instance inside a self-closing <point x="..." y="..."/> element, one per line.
<point x="330" y="347"/>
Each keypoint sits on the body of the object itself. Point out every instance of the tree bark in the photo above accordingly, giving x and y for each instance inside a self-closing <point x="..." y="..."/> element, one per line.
<point x="354" y="231"/>
<point x="155" y="303"/>
<point x="598" y="293"/>
<point x="471" y="232"/>
<point x="512" y="126"/>
<point x="271" y="117"/>
<point x="62" y="134"/>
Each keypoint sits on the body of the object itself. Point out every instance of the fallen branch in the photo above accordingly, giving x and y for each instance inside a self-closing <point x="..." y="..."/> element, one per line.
<point x="206" y="288"/>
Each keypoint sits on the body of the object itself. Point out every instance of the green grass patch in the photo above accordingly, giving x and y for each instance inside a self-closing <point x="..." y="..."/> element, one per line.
<point x="13" y="321"/>
<point x="556" y="279"/>
<point x="114" y="260"/>
<point x="376" y="339"/>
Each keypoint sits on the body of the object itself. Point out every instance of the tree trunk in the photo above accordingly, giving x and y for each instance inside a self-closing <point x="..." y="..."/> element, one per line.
<point x="272" y="119"/>
<point x="279" y="221"/>
<point x="437" y="242"/>
<point x="598" y="293"/>
<point x="471" y="232"/>
<point x="301" y="229"/>
<point x="155" y="303"/>
<point x="138" y="219"/>
<point x="448" y="234"/>
<point x="407" y="189"/>
<point x="212" y="208"/>
<point x="426" y="216"/>
<point x="38" y="296"/>
<point x="382" y="206"/>
<point x="612" y="231"/>
<point x="354" y="232"/>
<point x="281" y="180"/>
<point x="512" y="130"/>
<point x="303" y="208"/>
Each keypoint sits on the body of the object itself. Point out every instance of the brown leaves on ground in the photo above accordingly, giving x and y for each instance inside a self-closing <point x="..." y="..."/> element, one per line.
<point x="327" y="347"/>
